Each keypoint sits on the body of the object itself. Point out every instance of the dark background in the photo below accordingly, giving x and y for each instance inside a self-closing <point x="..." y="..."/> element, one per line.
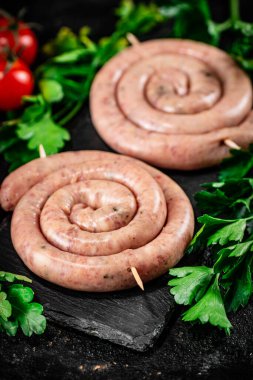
<point x="52" y="14"/>
<point x="184" y="351"/>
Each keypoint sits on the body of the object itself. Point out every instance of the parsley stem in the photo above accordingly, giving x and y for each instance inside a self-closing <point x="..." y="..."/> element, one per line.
<point x="72" y="113"/>
<point x="224" y="26"/>
<point x="248" y="218"/>
<point x="234" y="16"/>
<point x="63" y="111"/>
<point x="234" y="11"/>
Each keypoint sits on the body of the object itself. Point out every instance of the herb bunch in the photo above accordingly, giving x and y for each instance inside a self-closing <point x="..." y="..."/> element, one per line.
<point x="17" y="308"/>
<point x="227" y="232"/>
<point x="193" y="20"/>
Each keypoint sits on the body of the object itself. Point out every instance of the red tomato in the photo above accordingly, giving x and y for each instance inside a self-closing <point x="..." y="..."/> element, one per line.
<point x="15" y="82"/>
<point x="19" y="38"/>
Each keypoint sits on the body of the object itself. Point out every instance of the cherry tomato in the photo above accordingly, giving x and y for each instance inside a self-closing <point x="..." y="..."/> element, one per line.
<point x="16" y="80"/>
<point x="19" y="38"/>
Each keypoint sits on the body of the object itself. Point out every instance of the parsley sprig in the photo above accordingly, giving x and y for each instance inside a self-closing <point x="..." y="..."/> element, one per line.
<point x="227" y="232"/>
<point x="194" y="20"/>
<point x="17" y="308"/>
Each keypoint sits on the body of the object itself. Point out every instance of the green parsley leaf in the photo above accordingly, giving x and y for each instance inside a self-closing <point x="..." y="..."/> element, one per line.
<point x="65" y="40"/>
<point x="27" y="313"/>
<point x="194" y="22"/>
<point x="241" y="289"/>
<point x="137" y="18"/>
<point x="10" y="277"/>
<point x="72" y="56"/>
<point x="210" y="308"/>
<point x="8" y="138"/>
<point x="241" y="44"/>
<point x="234" y="231"/>
<point x="43" y="131"/>
<point x="51" y="90"/>
<point x="241" y="248"/>
<point x="206" y="200"/>
<point x="210" y="226"/>
<point x="17" y="308"/>
<point x="222" y="259"/>
<point x="21" y="293"/>
<point x="10" y="327"/>
<point x="19" y="154"/>
<point x="238" y="165"/>
<point x="225" y="256"/>
<point x="233" y="197"/>
<point x="5" y="306"/>
<point x="190" y="284"/>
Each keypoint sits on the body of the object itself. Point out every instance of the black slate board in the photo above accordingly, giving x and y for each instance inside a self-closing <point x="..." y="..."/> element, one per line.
<point x="130" y="318"/>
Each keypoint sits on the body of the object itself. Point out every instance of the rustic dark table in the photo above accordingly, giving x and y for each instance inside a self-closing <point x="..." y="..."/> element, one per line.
<point x="183" y="351"/>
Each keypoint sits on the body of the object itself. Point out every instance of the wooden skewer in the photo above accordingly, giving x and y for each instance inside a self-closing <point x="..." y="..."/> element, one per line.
<point x="42" y="151"/>
<point x="231" y="144"/>
<point x="137" y="277"/>
<point x="132" y="39"/>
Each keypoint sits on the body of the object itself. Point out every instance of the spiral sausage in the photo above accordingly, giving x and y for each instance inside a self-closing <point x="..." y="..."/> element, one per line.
<point x="172" y="103"/>
<point x="83" y="219"/>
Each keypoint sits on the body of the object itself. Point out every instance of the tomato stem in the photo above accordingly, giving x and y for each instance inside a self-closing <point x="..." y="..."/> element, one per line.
<point x="5" y="14"/>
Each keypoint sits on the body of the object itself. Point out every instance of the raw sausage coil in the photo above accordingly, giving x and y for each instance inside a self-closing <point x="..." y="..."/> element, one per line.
<point x="83" y="219"/>
<point x="172" y="103"/>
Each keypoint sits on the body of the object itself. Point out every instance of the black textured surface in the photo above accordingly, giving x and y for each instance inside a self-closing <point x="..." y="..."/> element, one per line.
<point x="182" y="351"/>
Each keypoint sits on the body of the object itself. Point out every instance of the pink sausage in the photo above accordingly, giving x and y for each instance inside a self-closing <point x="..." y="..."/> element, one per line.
<point x="172" y="103"/>
<point x="163" y="211"/>
<point x="145" y="225"/>
<point x="97" y="206"/>
<point x="22" y="179"/>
